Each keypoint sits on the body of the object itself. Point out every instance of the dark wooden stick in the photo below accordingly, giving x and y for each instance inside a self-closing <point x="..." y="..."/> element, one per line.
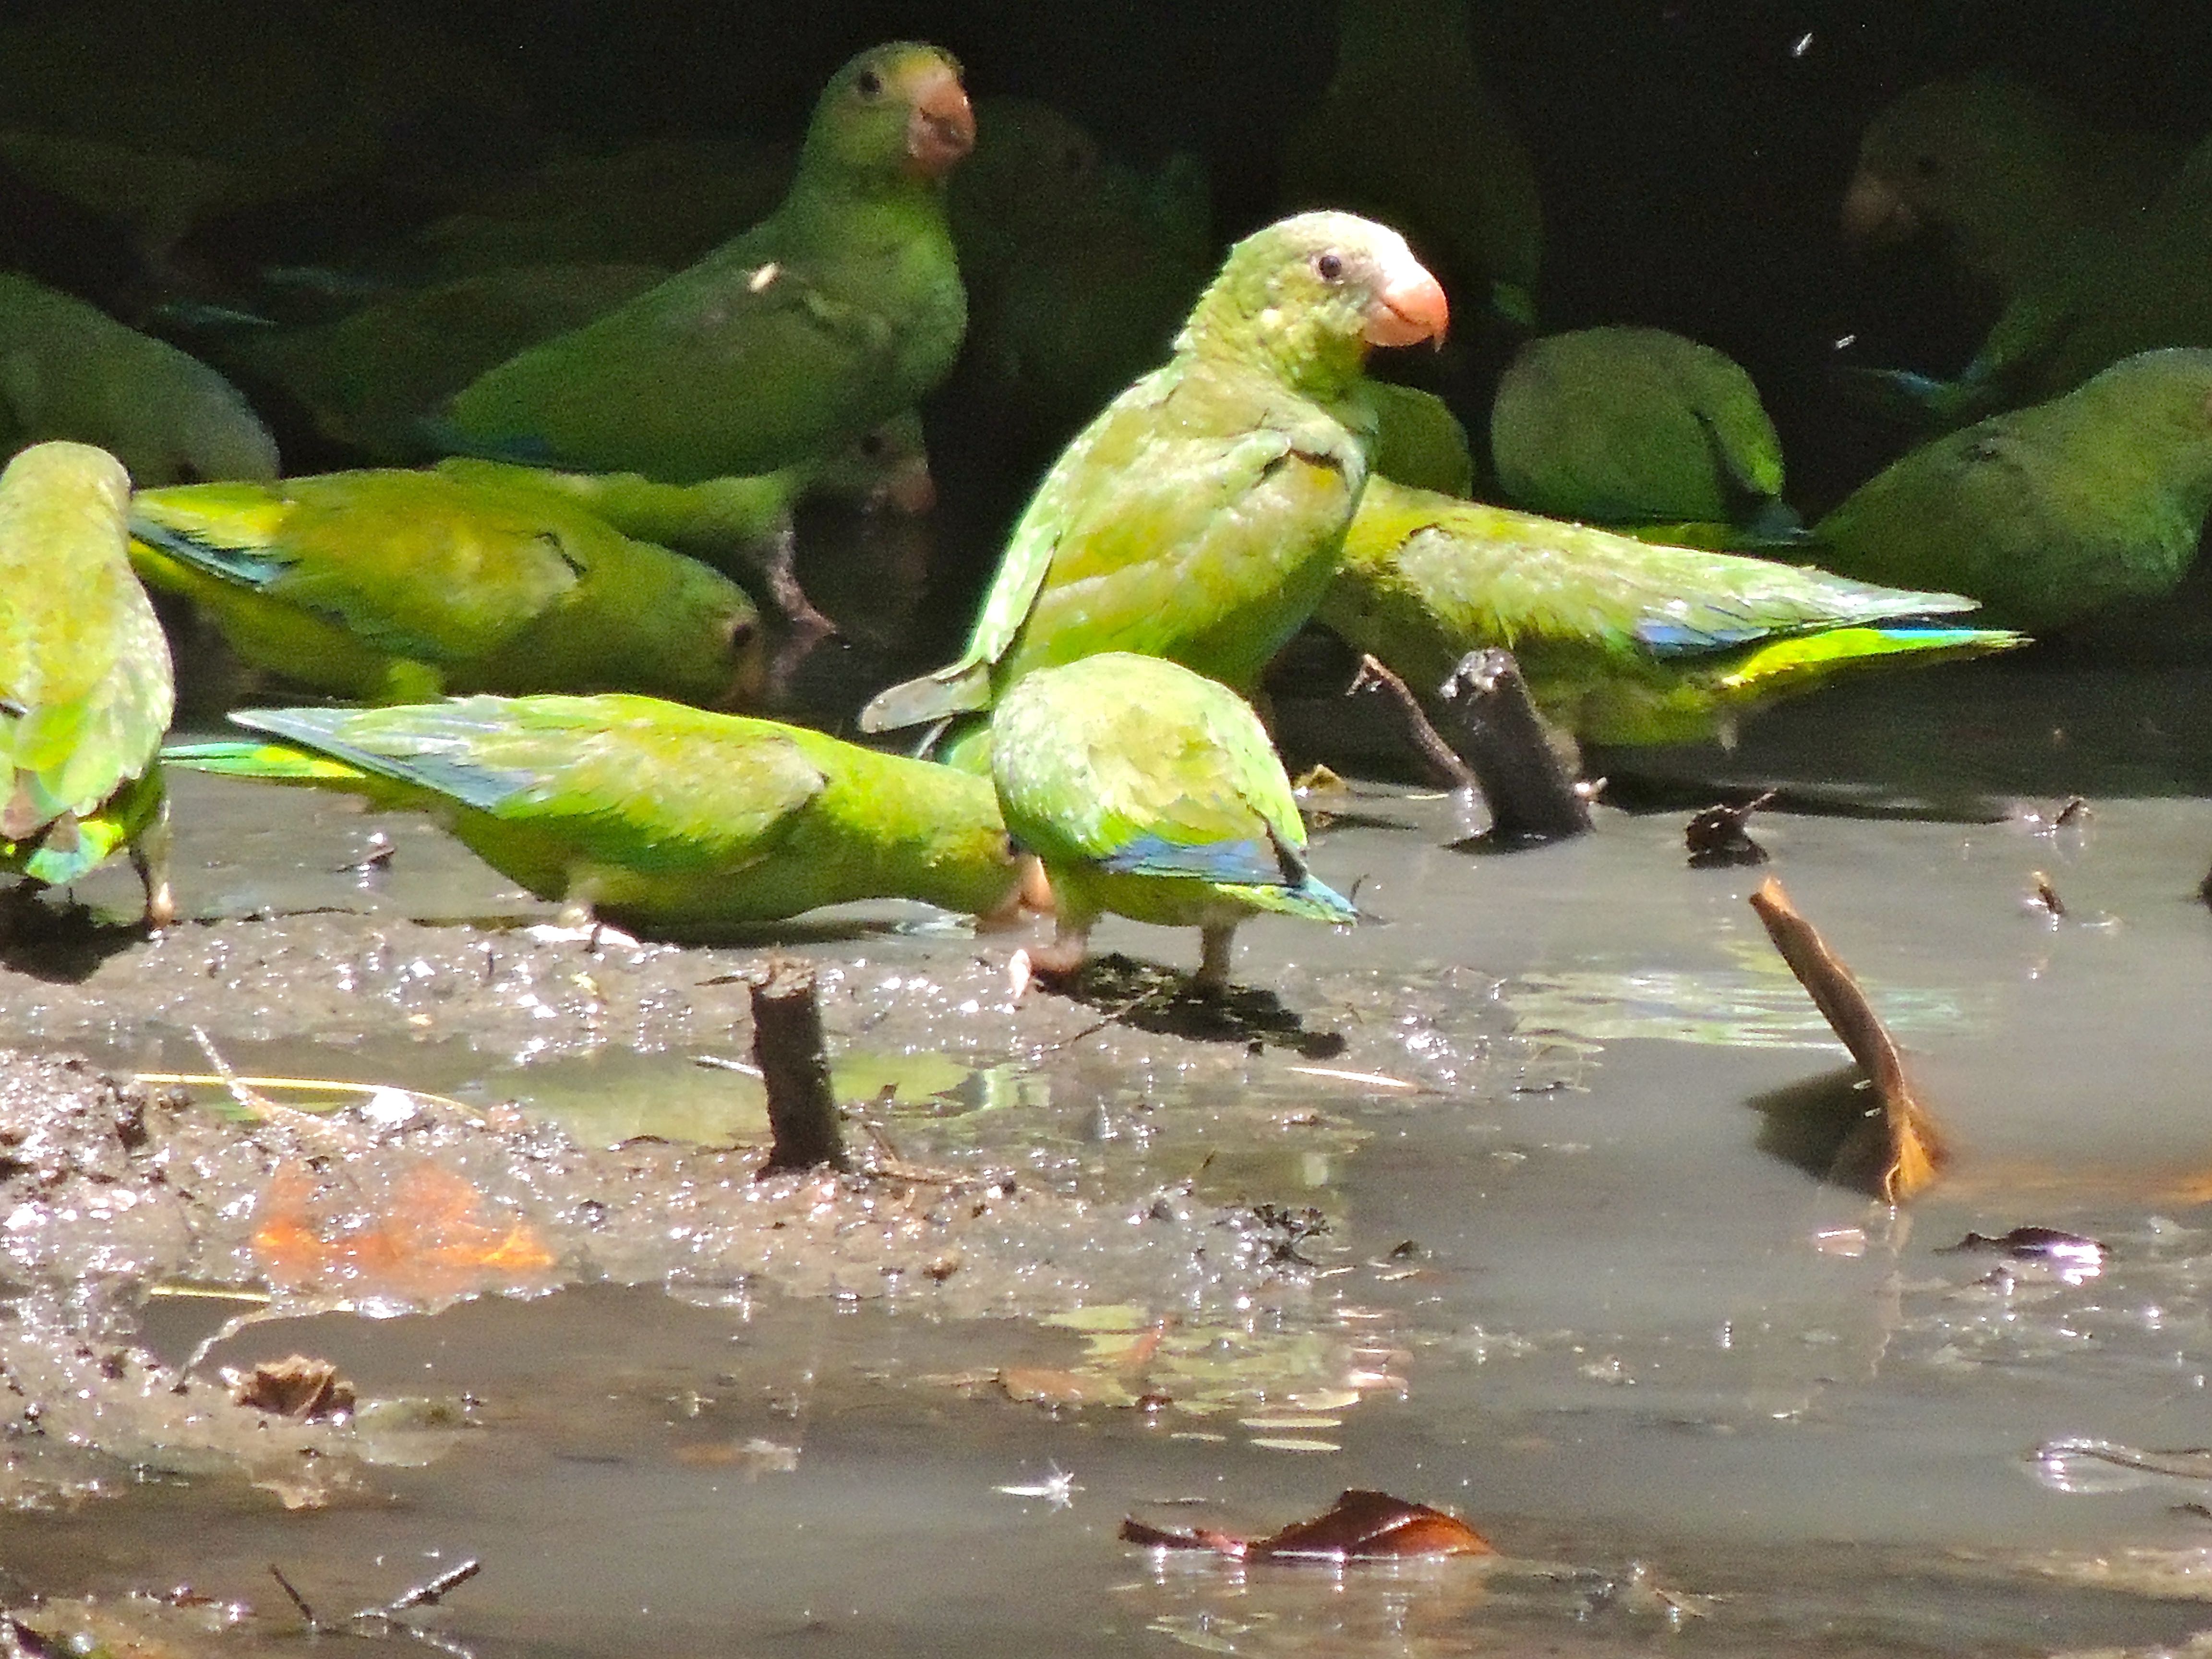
<point x="1445" y="768"/>
<point x="794" y="1063"/>
<point x="1493" y="724"/>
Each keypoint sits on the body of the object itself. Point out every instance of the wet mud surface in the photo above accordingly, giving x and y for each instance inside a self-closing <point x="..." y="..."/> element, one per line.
<point x="1512" y="1199"/>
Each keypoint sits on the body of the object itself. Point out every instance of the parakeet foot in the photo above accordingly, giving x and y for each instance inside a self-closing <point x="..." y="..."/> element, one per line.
<point x="149" y="857"/>
<point x="1217" y="946"/>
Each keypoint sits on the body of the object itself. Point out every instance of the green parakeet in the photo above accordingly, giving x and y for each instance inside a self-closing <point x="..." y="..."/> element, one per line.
<point x="2024" y="196"/>
<point x="837" y="311"/>
<point x="85" y="684"/>
<point x="742" y="526"/>
<point x="1408" y="133"/>
<point x="1419" y="442"/>
<point x="1198" y="518"/>
<point x="658" y="817"/>
<point x="2049" y="513"/>
<point x="391" y="586"/>
<point x="1152" y="792"/>
<point x="370" y="378"/>
<point x="68" y="370"/>
<point x="1079" y="268"/>
<point x="1623" y="425"/>
<point x="1620" y="641"/>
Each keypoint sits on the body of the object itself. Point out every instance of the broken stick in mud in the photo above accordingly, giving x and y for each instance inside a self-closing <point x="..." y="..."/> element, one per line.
<point x="794" y="1063"/>
<point x="1911" y="1153"/>
<point x="1495" y="730"/>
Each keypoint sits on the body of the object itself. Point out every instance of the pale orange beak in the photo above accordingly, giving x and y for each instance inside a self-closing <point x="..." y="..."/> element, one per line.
<point x="911" y="489"/>
<point x="1409" y="307"/>
<point x="1874" y="214"/>
<point x="941" y="127"/>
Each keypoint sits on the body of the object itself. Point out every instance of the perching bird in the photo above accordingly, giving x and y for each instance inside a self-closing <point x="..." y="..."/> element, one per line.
<point x="837" y="311"/>
<point x="2025" y="195"/>
<point x="742" y="526"/>
<point x="1198" y="518"/>
<point x="85" y="684"/>
<point x="1419" y="442"/>
<point x="1079" y="268"/>
<point x="1630" y="425"/>
<point x="1152" y="793"/>
<point x="1408" y="133"/>
<point x="69" y="370"/>
<point x="1620" y="641"/>
<point x="391" y="586"/>
<point x="652" y="814"/>
<point x="2049" y="513"/>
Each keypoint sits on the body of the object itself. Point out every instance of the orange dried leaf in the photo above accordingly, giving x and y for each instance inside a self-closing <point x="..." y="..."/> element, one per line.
<point x="430" y="1240"/>
<point x="1910" y="1154"/>
<point x="1360" y="1526"/>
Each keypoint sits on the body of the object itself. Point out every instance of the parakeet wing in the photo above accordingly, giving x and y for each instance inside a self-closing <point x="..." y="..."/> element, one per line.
<point x="646" y="388"/>
<point x="1213" y="806"/>
<point x="389" y="557"/>
<point x="643" y="782"/>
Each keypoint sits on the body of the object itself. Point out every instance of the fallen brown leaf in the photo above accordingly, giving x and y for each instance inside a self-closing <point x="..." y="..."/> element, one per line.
<point x="1360" y="1526"/>
<point x="298" y="1386"/>
<point x="1908" y="1153"/>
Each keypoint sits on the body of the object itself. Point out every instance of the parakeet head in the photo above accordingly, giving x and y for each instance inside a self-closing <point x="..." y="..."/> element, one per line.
<point x="1309" y="294"/>
<point x="681" y="630"/>
<point x="86" y="483"/>
<point x="895" y="111"/>
<point x="1978" y="157"/>
<point x="887" y="465"/>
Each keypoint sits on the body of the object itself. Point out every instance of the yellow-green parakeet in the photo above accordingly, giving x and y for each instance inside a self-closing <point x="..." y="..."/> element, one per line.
<point x="86" y="689"/>
<point x="1198" y="517"/>
<point x="660" y="817"/>
<point x="1620" y="641"/>
<point x="1631" y="425"/>
<point x="69" y="370"/>
<point x="1152" y="792"/>
<point x="392" y="585"/>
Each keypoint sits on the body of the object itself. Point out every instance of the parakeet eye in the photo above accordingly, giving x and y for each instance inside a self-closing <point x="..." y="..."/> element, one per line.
<point x="1925" y="166"/>
<point x="872" y="445"/>
<point x="741" y="634"/>
<point x="1329" y="267"/>
<point x="869" y="84"/>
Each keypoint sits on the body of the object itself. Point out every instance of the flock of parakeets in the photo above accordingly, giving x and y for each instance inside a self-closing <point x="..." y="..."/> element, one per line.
<point x="627" y="403"/>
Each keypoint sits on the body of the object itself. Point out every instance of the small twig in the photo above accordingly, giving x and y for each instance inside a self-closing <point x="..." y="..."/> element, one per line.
<point x="298" y="1599"/>
<point x="306" y="1086"/>
<point x="1438" y="759"/>
<point x="794" y="1063"/>
<point x="426" y="1595"/>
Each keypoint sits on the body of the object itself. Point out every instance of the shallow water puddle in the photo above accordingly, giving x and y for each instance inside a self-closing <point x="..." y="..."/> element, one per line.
<point x="1504" y="1201"/>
